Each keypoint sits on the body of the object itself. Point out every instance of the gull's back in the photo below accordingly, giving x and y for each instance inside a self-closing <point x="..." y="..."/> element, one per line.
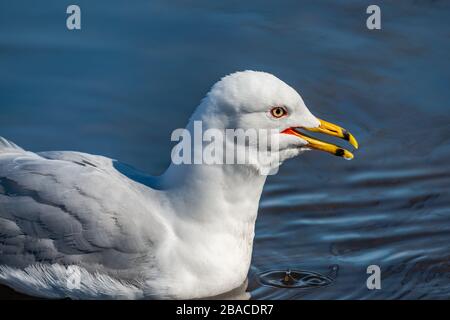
<point x="72" y="209"/>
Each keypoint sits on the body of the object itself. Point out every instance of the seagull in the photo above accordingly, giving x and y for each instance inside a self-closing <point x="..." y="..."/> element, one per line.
<point x="81" y="226"/>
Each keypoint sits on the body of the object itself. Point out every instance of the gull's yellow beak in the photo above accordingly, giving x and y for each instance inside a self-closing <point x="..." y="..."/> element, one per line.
<point x="331" y="130"/>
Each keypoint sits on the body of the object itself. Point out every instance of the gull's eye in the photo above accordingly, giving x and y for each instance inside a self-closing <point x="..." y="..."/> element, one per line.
<point x="278" y="112"/>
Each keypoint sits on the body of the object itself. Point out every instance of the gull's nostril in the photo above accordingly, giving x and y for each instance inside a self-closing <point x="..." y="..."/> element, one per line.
<point x="346" y="135"/>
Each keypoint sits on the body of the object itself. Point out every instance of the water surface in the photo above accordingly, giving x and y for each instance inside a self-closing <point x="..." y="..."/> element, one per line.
<point x="136" y="71"/>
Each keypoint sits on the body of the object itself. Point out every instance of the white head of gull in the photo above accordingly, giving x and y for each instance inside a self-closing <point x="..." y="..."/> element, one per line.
<point x="72" y="225"/>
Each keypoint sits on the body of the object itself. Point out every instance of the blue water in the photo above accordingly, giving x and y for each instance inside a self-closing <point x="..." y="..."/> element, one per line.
<point x="136" y="71"/>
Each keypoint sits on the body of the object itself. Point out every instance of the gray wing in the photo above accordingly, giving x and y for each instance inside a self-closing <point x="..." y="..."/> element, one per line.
<point x="71" y="208"/>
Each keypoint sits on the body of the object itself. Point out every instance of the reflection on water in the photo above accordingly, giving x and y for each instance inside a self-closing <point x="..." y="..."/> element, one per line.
<point x="134" y="73"/>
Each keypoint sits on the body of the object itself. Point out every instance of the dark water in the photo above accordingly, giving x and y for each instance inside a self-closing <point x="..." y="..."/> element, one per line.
<point x="137" y="70"/>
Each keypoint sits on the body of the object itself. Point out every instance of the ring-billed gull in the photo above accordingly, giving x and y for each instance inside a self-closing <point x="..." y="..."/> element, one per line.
<point x="73" y="225"/>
